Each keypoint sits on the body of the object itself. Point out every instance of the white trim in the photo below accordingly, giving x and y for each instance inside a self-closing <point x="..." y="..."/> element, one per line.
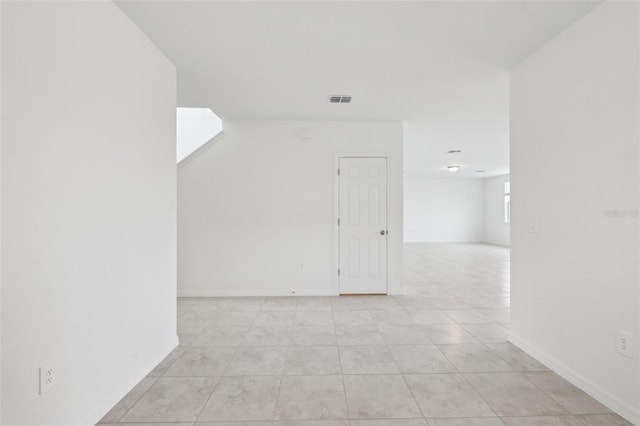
<point x="336" y="209"/>
<point x="255" y="292"/>
<point x="612" y="402"/>
<point x="493" y="244"/>
<point x="115" y="397"/>
<point x="336" y="228"/>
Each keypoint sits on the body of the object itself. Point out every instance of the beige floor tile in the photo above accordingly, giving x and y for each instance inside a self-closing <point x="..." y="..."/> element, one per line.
<point x="403" y="334"/>
<point x="210" y="304"/>
<point x="246" y="304"/>
<point x="488" y="333"/>
<point x="257" y="361"/>
<point x="242" y="398"/>
<point x="379" y="396"/>
<point x="389" y="422"/>
<point x="201" y="361"/>
<point x="314" y="304"/>
<point x="516" y="358"/>
<point x="448" y="334"/>
<point x="541" y="421"/>
<point x="230" y="424"/>
<point x="311" y="423"/>
<point x="602" y="420"/>
<point x="129" y="400"/>
<point x="474" y="357"/>
<point x="486" y="421"/>
<point x="221" y="336"/>
<point x="367" y="360"/>
<point x="502" y="316"/>
<point x="375" y="303"/>
<point x="235" y="318"/>
<point x="188" y="335"/>
<point x="430" y="317"/>
<point x="267" y="336"/>
<point x="416" y="303"/>
<point x="468" y="316"/>
<point x="274" y="318"/>
<point x="347" y="303"/>
<point x="458" y="294"/>
<point x="510" y="394"/>
<point x="197" y="319"/>
<point x="167" y="362"/>
<point x="311" y="398"/>
<point x="314" y="318"/>
<point x="312" y="360"/>
<point x="450" y="303"/>
<point x="313" y="336"/>
<point x="447" y="395"/>
<point x="359" y="335"/>
<point x="149" y="424"/>
<point x="398" y="317"/>
<point x="172" y="399"/>
<point x="421" y="359"/>
<point x="279" y="304"/>
<point x="572" y="398"/>
<point x="351" y="318"/>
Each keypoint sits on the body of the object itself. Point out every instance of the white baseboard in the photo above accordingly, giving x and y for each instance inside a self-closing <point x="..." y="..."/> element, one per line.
<point x="630" y="413"/>
<point x="254" y="292"/>
<point x="115" y="397"/>
<point x="496" y="244"/>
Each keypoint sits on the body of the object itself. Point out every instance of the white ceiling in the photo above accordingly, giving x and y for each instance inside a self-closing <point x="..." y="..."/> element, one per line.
<point x="439" y="66"/>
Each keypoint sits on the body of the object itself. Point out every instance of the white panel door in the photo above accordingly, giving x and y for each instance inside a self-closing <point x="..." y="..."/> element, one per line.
<point x="363" y="225"/>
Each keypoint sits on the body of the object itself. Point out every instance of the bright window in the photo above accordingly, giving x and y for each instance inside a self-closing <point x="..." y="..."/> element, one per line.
<point x="194" y="128"/>
<point x="507" y="202"/>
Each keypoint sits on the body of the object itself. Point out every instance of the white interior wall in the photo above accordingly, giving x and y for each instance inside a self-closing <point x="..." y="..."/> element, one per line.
<point x="88" y="209"/>
<point x="575" y="179"/>
<point x="1" y="224"/>
<point x="496" y="231"/>
<point x="443" y="210"/>
<point x="257" y="211"/>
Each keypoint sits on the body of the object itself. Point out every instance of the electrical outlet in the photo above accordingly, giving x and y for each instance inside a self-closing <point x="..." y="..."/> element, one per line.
<point x="533" y="226"/>
<point x="624" y="343"/>
<point x="47" y="378"/>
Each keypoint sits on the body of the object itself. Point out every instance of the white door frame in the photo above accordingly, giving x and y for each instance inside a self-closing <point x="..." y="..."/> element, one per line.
<point x="336" y="214"/>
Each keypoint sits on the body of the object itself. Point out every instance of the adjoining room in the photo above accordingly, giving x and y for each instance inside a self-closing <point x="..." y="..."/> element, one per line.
<point x="220" y="213"/>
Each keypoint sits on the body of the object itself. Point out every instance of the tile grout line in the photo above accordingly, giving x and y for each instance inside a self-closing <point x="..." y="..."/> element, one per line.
<point x="136" y="401"/>
<point x="221" y="376"/>
<point x="344" y="387"/>
<point x="217" y="383"/>
<point x="471" y="385"/>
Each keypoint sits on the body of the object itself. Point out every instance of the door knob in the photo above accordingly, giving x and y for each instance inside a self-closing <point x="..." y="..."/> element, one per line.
<point x="383" y="232"/>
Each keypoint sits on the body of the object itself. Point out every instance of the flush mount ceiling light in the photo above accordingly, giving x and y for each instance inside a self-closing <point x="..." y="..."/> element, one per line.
<point x="454" y="151"/>
<point x="340" y="99"/>
<point x="453" y="168"/>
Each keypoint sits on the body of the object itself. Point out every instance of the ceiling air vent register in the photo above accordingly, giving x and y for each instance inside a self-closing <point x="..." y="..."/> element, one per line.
<point x="339" y="99"/>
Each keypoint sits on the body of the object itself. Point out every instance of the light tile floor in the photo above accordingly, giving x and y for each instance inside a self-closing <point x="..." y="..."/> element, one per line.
<point x="437" y="356"/>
